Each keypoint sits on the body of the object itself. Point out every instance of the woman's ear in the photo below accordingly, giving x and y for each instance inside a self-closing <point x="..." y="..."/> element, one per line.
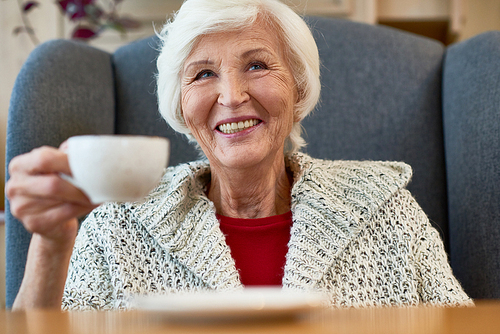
<point x="180" y="116"/>
<point x="298" y="94"/>
<point x="298" y="99"/>
<point x="296" y="115"/>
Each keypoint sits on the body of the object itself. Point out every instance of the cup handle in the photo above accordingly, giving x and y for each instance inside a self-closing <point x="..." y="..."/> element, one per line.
<point x="64" y="149"/>
<point x="73" y="182"/>
<point x="69" y="179"/>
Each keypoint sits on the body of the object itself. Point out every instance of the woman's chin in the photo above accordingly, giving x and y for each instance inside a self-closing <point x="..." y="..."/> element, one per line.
<point x="243" y="158"/>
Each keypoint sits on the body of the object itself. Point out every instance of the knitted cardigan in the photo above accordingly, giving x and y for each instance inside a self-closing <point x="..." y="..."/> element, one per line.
<point x="357" y="235"/>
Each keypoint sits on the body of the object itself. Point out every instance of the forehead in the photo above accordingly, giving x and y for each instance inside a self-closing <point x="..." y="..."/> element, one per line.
<point x="258" y="36"/>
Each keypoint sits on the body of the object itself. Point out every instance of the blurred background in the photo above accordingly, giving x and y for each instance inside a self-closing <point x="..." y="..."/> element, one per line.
<point x="25" y="24"/>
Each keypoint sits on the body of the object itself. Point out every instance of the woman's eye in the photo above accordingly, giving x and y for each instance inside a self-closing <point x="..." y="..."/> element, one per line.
<point x="204" y="74"/>
<point x="257" y="66"/>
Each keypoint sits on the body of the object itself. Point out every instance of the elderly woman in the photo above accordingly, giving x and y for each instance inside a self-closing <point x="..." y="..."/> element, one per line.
<point x="237" y="77"/>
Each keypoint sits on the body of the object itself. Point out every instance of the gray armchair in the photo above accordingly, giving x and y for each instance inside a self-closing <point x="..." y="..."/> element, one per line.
<point x="387" y="95"/>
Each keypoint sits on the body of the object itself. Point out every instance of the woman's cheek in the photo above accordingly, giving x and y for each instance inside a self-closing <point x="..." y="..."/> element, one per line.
<point x="276" y="94"/>
<point x="194" y="106"/>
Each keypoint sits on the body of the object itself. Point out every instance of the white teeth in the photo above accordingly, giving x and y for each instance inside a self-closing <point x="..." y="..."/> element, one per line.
<point x="237" y="127"/>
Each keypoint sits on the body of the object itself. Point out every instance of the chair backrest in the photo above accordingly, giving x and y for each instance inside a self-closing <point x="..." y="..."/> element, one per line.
<point x="471" y="108"/>
<point x="381" y="99"/>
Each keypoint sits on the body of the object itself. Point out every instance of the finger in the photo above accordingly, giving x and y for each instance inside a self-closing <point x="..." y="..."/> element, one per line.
<point x="48" y="186"/>
<point x="41" y="160"/>
<point x="31" y="206"/>
<point x="52" y="222"/>
<point x="46" y="215"/>
<point x="64" y="146"/>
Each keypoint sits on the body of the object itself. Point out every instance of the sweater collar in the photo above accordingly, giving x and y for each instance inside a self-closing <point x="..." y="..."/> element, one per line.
<point x="331" y="201"/>
<point x="180" y="217"/>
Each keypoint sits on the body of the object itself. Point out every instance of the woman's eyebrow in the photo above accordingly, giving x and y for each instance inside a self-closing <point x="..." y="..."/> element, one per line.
<point x="251" y="52"/>
<point x="198" y="62"/>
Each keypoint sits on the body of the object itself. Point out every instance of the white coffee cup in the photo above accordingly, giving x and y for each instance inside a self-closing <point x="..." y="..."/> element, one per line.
<point x="117" y="168"/>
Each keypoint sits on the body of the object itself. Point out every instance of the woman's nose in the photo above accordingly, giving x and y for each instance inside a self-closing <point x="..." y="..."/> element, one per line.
<point x="233" y="91"/>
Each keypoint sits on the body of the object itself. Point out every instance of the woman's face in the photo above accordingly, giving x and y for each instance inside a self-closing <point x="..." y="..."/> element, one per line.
<point x="238" y="95"/>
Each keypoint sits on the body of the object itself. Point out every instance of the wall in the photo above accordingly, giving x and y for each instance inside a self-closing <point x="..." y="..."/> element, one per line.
<point x="480" y="16"/>
<point x="410" y="9"/>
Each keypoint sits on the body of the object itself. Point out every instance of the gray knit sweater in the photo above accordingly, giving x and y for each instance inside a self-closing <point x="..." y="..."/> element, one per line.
<point x="357" y="235"/>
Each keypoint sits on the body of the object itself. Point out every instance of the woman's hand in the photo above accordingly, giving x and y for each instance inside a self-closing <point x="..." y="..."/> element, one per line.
<point x="42" y="200"/>
<point x="48" y="206"/>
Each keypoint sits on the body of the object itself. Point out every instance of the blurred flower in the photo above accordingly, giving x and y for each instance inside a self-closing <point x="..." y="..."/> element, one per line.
<point x="30" y="4"/>
<point x="83" y="33"/>
<point x="89" y="16"/>
<point x="75" y="9"/>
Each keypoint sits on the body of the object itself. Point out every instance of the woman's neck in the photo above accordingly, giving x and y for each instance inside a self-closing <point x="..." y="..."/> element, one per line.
<point x="256" y="192"/>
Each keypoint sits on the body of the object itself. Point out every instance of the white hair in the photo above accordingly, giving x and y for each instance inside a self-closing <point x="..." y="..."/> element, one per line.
<point x="201" y="17"/>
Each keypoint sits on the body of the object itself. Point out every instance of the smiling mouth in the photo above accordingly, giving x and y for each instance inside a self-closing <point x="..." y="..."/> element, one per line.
<point x="234" y="127"/>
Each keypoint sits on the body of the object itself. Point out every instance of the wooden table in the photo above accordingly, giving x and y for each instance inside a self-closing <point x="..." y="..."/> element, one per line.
<point x="482" y="319"/>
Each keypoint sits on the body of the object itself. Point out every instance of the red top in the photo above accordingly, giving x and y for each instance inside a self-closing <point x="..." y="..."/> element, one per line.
<point x="258" y="247"/>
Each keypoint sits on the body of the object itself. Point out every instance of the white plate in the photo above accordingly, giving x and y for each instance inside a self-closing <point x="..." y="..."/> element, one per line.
<point x="246" y="304"/>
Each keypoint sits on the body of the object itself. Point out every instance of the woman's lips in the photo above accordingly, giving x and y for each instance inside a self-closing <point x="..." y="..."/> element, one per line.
<point x="234" y="127"/>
